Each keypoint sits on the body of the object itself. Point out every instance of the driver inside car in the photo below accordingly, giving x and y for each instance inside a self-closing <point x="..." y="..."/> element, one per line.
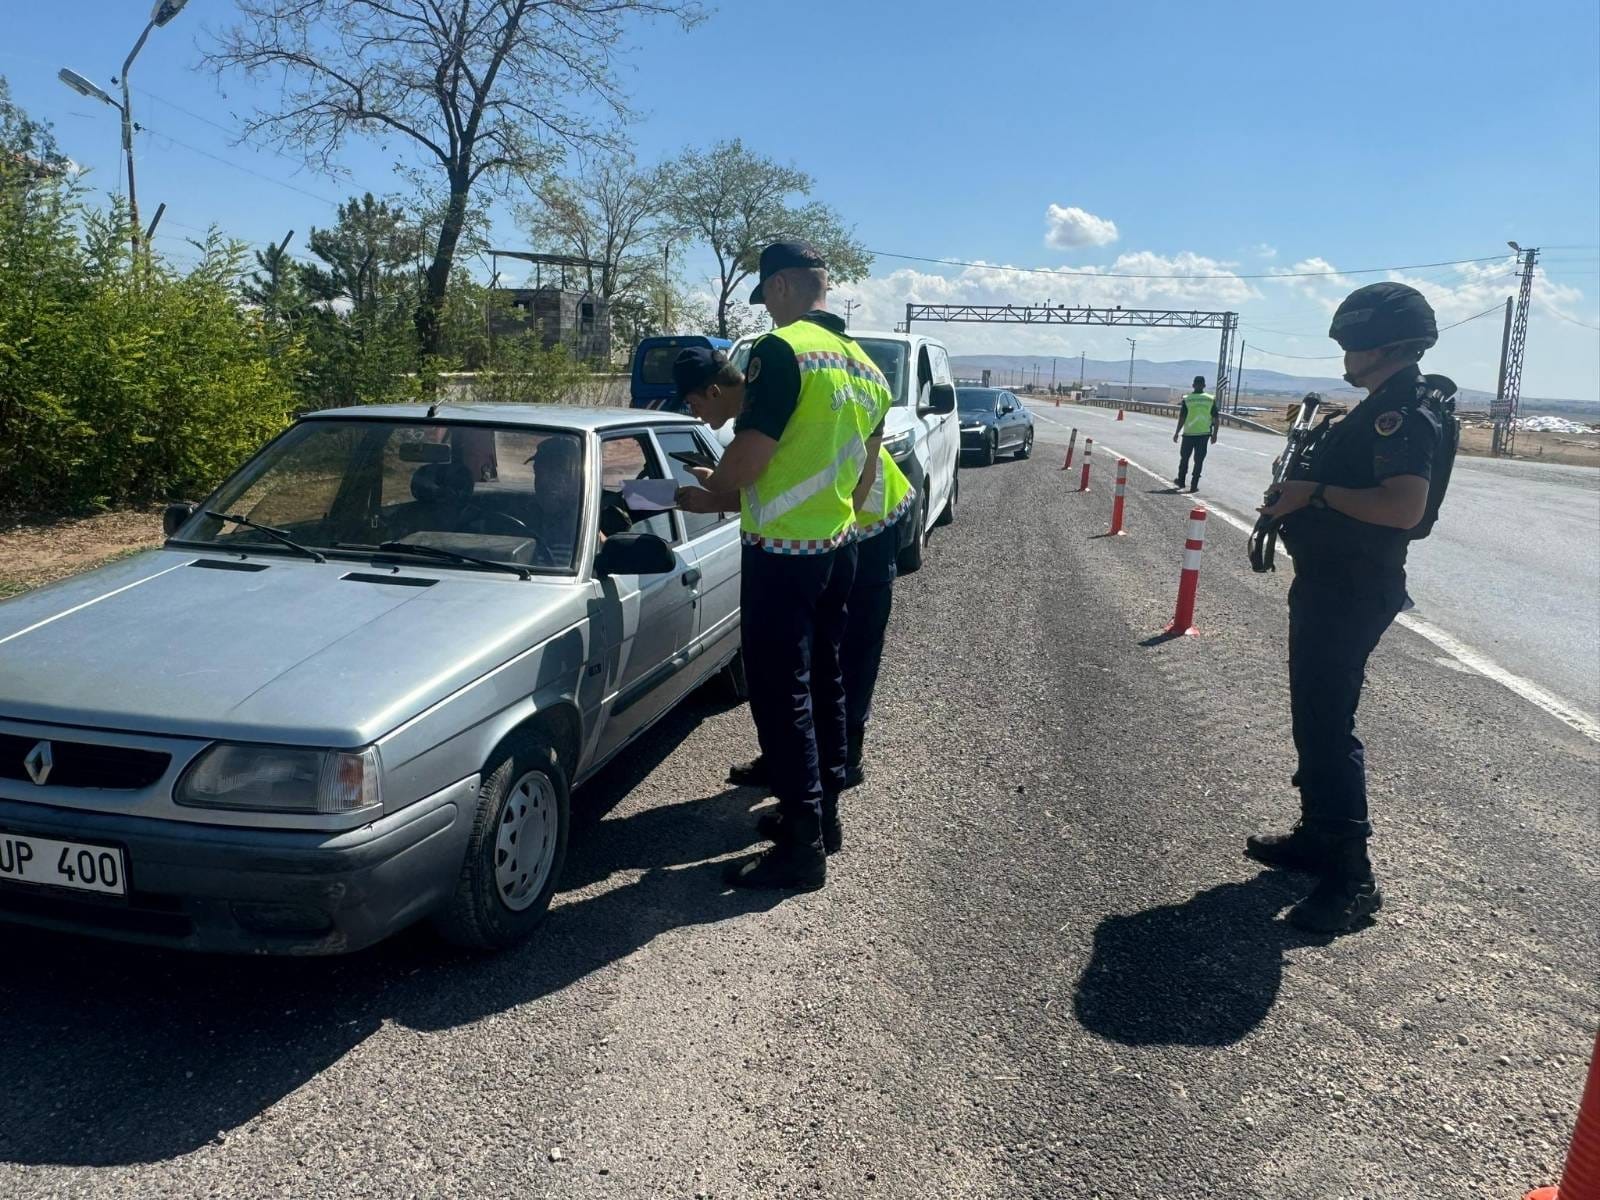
<point x="557" y="498"/>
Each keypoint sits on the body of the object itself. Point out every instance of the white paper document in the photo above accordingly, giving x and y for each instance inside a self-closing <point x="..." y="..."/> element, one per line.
<point x="650" y="495"/>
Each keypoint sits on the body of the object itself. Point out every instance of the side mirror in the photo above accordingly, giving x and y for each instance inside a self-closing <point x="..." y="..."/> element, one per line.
<point x="635" y="554"/>
<point x="176" y="517"/>
<point x="941" y="399"/>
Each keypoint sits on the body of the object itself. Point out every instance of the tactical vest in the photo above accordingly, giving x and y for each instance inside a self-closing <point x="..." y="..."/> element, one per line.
<point x="801" y="504"/>
<point x="1197" y="419"/>
<point x="888" y="500"/>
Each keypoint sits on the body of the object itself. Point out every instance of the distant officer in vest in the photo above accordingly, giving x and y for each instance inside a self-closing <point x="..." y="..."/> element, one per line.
<point x="1349" y="515"/>
<point x="807" y="441"/>
<point x="1197" y="426"/>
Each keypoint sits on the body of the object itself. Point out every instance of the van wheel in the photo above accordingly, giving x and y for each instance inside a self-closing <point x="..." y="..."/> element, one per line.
<point x="516" y="850"/>
<point x="948" y="516"/>
<point x="909" y="561"/>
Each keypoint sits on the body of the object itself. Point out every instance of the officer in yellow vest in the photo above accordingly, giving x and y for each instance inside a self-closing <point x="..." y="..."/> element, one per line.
<point x="878" y="509"/>
<point x="1197" y="425"/>
<point x="807" y="441"/>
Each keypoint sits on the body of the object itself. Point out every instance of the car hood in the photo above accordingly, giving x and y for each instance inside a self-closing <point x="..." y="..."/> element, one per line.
<point x="289" y="651"/>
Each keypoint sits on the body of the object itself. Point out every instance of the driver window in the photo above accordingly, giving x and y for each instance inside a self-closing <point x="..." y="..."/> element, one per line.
<point x="624" y="457"/>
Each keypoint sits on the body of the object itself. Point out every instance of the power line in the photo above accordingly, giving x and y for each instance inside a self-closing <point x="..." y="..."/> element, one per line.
<point x="957" y="262"/>
<point x="1556" y="312"/>
<point x="239" y="166"/>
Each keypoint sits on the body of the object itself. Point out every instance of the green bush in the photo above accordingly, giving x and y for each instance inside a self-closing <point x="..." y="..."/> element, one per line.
<point x="122" y="380"/>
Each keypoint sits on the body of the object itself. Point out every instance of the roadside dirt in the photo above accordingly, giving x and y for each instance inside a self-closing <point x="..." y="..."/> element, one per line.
<point x="35" y="552"/>
<point x="1570" y="449"/>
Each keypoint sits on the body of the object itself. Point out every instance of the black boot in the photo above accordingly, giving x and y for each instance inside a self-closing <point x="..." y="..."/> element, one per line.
<point x="1345" y="897"/>
<point x="1179" y="482"/>
<point x="749" y="774"/>
<point x="1301" y="849"/>
<point x="801" y="865"/>
<point x="854" y="774"/>
<point x="770" y="826"/>
<point x="1194" y="485"/>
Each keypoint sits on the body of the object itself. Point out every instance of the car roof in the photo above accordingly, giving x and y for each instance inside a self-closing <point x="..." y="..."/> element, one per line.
<point x="578" y="418"/>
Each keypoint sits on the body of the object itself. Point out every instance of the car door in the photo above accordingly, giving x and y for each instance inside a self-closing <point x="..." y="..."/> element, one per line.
<point x="711" y="541"/>
<point x="651" y="618"/>
<point x="1006" y="420"/>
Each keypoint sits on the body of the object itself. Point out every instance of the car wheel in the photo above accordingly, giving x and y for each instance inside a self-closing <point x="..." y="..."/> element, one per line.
<point x="991" y="447"/>
<point x="516" y="849"/>
<point x="948" y="516"/>
<point x="910" y="558"/>
<point x="1027" y="445"/>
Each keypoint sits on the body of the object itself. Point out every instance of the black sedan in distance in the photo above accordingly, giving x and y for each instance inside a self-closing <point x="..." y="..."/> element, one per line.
<point x="993" y="422"/>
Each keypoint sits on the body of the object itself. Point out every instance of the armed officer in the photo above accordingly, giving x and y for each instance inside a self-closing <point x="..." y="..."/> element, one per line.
<point x="1370" y="485"/>
<point x="806" y="442"/>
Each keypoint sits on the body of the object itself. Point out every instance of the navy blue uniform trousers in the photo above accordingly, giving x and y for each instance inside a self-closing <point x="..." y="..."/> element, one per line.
<point x="794" y="609"/>
<point x="871" y="598"/>
<point x="1334" y="626"/>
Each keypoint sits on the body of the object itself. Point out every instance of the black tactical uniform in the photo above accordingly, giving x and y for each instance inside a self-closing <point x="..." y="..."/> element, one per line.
<point x="1349" y="585"/>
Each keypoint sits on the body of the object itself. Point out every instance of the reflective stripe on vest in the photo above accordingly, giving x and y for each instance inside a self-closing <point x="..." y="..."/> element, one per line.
<point x="1197" y="419"/>
<point x="889" y="498"/>
<point x="801" y="504"/>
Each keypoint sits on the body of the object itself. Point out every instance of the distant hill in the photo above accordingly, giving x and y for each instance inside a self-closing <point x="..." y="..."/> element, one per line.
<point x="1264" y="382"/>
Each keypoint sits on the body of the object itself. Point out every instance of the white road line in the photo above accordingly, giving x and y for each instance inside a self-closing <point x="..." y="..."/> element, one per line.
<point x="1468" y="656"/>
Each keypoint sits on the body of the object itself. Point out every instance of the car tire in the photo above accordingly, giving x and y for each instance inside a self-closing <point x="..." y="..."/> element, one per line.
<point x="948" y="516"/>
<point x="1027" y="446"/>
<point x="516" y="849"/>
<point x="909" y="561"/>
<point x="991" y="447"/>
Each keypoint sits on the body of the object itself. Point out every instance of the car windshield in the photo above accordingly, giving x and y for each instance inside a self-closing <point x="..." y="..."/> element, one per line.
<point x="976" y="400"/>
<point x="889" y="355"/>
<point x="505" y="493"/>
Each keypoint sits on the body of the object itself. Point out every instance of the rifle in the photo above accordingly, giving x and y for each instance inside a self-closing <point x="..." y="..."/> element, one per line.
<point x="1264" y="537"/>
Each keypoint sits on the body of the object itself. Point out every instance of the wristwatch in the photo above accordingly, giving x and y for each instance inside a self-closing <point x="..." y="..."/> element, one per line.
<point x="1317" y="500"/>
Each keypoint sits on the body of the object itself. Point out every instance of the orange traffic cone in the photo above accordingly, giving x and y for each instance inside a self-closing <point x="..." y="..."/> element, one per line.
<point x="1119" y="414"/>
<point x="1580" y="1178"/>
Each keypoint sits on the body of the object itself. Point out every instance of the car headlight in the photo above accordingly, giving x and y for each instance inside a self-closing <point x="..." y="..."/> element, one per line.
<point x="279" y="779"/>
<point x="900" y="444"/>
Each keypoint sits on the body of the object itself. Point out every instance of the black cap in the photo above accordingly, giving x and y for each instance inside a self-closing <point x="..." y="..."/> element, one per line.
<point x="782" y="256"/>
<point x="1381" y="314"/>
<point x="695" y="367"/>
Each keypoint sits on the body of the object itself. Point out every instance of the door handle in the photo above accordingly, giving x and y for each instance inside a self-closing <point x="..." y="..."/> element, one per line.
<point x="691" y="577"/>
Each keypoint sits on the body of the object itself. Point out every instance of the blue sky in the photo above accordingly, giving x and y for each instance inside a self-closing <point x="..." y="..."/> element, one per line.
<point x="1236" y="138"/>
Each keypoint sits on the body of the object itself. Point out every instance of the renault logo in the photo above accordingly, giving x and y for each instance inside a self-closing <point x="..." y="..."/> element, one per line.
<point x="38" y="763"/>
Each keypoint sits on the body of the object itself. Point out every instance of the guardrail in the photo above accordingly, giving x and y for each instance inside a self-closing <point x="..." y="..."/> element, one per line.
<point x="1171" y="410"/>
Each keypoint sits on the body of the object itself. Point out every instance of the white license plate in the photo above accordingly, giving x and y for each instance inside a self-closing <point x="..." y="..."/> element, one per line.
<point x="81" y="866"/>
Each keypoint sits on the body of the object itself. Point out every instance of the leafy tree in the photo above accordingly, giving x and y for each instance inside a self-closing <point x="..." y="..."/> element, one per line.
<point x="478" y="90"/>
<point x="605" y="212"/>
<point x="735" y="201"/>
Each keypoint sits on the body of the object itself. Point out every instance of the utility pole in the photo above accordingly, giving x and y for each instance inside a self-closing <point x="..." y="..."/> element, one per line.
<point x="1238" y="377"/>
<point x="1497" y="414"/>
<point x="1519" y="341"/>
<point x="1082" y="354"/>
<point x="1052" y="375"/>
<point x="1133" y="344"/>
<point x="850" y="307"/>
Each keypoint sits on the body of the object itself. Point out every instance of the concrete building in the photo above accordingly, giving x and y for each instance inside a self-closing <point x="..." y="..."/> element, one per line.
<point x="579" y="320"/>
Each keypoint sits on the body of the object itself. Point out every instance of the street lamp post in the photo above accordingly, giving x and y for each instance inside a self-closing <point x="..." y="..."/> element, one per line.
<point x="163" y="12"/>
<point x="1132" y="344"/>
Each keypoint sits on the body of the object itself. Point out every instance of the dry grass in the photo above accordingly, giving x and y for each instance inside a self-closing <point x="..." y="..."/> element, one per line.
<point x="36" y="552"/>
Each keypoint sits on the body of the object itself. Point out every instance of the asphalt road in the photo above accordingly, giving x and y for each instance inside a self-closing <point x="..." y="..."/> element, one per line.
<point x="1041" y="967"/>
<point x="1512" y="568"/>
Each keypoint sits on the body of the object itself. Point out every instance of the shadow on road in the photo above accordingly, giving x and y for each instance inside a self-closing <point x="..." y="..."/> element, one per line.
<point x="122" y="1054"/>
<point x="1201" y="973"/>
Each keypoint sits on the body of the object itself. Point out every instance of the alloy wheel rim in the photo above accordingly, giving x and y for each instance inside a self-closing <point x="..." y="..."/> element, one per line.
<point x="525" y="842"/>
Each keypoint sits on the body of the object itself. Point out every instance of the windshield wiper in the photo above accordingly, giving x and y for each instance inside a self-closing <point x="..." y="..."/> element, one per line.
<point x="520" y="572"/>
<point x="276" y="535"/>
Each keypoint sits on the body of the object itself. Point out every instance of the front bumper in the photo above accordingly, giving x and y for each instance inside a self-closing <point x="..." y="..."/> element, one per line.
<point x="976" y="439"/>
<point x="253" y="891"/>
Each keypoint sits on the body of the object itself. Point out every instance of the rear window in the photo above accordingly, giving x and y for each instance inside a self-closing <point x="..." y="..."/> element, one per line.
<point x="656" y="366"/>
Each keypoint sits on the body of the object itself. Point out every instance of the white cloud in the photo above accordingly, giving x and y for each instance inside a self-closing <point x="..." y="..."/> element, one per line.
<point x="1068" y="228"/>
<point x="1266" y="251"/>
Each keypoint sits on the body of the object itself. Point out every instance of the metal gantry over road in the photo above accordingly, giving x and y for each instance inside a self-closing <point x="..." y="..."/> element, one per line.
<point x="1063" y="314"/>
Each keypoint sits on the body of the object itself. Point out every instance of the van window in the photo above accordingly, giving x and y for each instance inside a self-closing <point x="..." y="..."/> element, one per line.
<point x="656" y="368"/>
<point x="891" y="359"/>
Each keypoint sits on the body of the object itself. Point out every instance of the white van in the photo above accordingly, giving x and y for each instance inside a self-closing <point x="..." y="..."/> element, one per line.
<point x="921" y="431"/>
